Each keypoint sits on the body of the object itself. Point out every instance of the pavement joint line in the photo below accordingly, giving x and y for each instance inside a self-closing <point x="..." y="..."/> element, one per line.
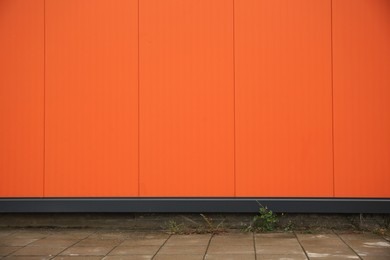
<point x="77" y="239"/>
<point x="12" y="232"/>
<point x="112" y="249"/>
<point x="347" y="244"/>
<point x="163" y="244"/>
<point x="208" y="245"/>
<point x="299" y="242"/>
<point x="4" y="256"/>
<point x="254" y="244"/>
<point x="22" y="246"/>
<point x="74" y="244"/>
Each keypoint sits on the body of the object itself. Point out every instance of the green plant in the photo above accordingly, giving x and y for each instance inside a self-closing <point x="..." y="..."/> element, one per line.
<point x="289" y="226"/>
<point x="387" y="222"/>
<point x="211" y="228"/>
<point x="266" y="220"/>
<point x="308" y="231"/>
<point x="172" y="227"/>
<point x="379" y="231"/>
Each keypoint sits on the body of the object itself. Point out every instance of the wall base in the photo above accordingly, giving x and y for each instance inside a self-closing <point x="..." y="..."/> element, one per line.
<point x="193" y="205"/>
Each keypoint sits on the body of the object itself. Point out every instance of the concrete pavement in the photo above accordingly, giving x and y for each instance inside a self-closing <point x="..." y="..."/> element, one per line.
<point x="124" y="244"/>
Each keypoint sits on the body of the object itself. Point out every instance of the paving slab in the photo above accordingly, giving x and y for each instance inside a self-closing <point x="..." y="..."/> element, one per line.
<point x="228" y="249"/>
<point x="363" y="251"/>
<point x="188" y="240"/>
<point x="87" y="250"/>
<point x="276" y="241"/>
<point x="283" y="257"/>
<point x="26" y="233"/>
<point x="337" y="246"/>
<point x="135" y="250"/>
<point x="332" y="257"/>
<point x="144" y="242"/>
<point x="275" y="235"/>
<point x="371" y="243"/>
<point x="115" y="234"/>
<point x="72" y="234"/>
<point x="6" y="250"/>
<point x="367" y="245"/>
<point x="28" y="258"/>
<point x="312" y="251"/>
<point x="322" y="242"/>
<point x="326" y="246"/>
<point x="231" y="257"/>
<point x="129" y="257"/>
<point x="126" y="244"/>
<point x="178" y="257"/>
<point x="155" y="235"/>
<point x="236" y="239"/>
<point x="324" y="236"/>
<point x="279" y="249"/>
<point x="358" y="236"/>
<point x="377" y="257"/>
<point x="77" y="258"/>
<point x="99" y="242"/>
<point x="54" y="242"/>
<point x="183" y="250"/>
<point x="4" y="233"/>
<point x="38" y="251"/>
<point x="12" y="241"/>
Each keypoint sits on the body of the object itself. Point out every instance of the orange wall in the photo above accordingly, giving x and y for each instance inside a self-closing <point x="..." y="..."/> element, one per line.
<point x="186" y="98"/>
<point x="91" y="107"/>
<point x="283" y="98"/>
<point x="21" y="98"/>
<point x="156" y="98"/>
<point x="361" y="62"/>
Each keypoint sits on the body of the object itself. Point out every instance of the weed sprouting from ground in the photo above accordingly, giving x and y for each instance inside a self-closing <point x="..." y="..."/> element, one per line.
<point x="265" y="221"/>
<point x="172" y="227"/>
<point x="211" y="227"/>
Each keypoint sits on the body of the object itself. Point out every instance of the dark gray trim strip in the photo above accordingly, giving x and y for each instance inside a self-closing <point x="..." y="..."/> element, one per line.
<point x="193" y="205"/>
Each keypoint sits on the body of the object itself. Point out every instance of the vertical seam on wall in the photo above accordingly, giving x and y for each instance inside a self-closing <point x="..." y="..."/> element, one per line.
<point x="234" y="103"/>
<point x="138" y="108"/>
<point x="331" y="62"/>
<point x="44" y="99"/>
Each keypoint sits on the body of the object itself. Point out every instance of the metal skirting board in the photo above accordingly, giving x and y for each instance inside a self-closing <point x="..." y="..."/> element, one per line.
<point x="193" y="205"/>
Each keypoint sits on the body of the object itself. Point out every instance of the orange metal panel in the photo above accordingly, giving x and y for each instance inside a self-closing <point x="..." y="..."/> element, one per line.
<point x="91" y="98"/>
<point x="283" y="98"/>
<point x="21" y="98"/>
<point x="361" y="47"/>
<point x="186" y="98"/>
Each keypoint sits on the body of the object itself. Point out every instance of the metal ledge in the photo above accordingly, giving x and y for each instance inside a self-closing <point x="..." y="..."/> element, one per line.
<point x="193" y="205"/>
